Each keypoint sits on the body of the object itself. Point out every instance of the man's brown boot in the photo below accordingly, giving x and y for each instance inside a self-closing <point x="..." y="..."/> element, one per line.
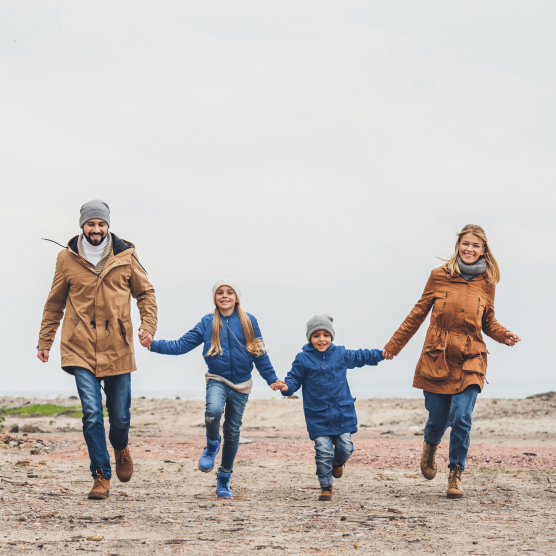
<point x="100" y="490"/>
<point x="454" y="483"/>
<point x="337" y="472"/>
<point x="124" y="465"/>
<point x="428" y="461"/>
<point x="325" y="493"/>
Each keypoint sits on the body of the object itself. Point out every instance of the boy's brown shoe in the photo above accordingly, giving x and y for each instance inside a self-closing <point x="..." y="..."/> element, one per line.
<point x="454" y="483"/>
<point x="325" y="493"/>
<point x="337" y="472"/>
<point x="428" y="461"/>
<point x="100" y="490"/>
<point x="124" y="464"/>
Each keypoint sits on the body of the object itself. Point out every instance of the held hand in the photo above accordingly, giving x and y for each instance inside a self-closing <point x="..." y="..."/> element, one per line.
<point x="43" y="355"/>
<point x="145" y="338"/>
<point x="278" y="385"/>
<point x="284" y="388"/>
<point x="387" y="355"/>
<point x="512" y="339"/>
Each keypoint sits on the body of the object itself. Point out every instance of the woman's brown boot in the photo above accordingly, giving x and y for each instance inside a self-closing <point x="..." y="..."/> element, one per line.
<point x="428" y="461"/>
<point x="454" y="483"/>
<point x="124" y="464"/>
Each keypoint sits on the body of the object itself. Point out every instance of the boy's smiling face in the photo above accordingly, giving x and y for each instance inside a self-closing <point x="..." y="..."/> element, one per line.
<point x="321" y="340"/>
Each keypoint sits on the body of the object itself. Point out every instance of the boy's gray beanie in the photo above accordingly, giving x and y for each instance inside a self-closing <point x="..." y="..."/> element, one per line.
<point x="320" y="322"/>
<point x="94" y="209"/>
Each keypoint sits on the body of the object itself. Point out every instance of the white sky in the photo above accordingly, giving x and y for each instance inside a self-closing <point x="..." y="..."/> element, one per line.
<point x="320" y="153"/>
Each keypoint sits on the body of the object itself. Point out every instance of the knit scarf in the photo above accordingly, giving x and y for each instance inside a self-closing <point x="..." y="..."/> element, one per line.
<point x="469" y="271"/>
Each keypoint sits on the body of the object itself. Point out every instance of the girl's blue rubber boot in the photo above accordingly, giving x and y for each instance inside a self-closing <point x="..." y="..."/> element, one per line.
<point x="223" y="489"/>
<point x="206" y="461"/>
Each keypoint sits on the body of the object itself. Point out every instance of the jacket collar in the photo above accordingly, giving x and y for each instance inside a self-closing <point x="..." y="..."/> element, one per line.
<point x="458" y="278"/>
<point x="223" y="317"/>
<point x="118" y="245"/>
<point x="308" y="348"/>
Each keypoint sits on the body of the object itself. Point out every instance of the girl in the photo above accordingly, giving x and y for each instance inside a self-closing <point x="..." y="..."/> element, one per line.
<point x="232" y="342"/>
<point x="452" y="367"/>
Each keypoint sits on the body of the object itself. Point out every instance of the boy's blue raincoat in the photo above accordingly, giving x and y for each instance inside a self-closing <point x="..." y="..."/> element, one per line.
<point x="327" y="400"/>
<point x="236" y="363"/>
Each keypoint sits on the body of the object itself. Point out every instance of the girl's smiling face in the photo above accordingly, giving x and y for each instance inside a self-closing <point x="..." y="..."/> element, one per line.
<point x="321" y="340"/>
<point x="226" y="299"/>
<point x="471" y="247"/>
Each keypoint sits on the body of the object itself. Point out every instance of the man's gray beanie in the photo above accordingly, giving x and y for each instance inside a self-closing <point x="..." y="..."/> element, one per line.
<point x="320" y="322"/>
<point x="94" y="209"/>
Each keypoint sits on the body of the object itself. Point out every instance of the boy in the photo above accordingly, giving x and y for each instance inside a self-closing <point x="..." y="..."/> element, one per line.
<point x="327" y="402"/>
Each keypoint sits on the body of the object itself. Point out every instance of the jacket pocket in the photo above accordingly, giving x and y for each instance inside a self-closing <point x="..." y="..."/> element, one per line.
<point x="126" y="328"/>
<point x="76" y="334"/>
<point x="348" y="417"/>
<point x="432" y="364"/>
<point x="475" y="365"/>
<point x="317" y="416"/>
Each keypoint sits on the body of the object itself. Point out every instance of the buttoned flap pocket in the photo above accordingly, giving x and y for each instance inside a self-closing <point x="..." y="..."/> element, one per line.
<point x="475" y="365"/>
<point x="126" y="329"/>
<point x="317" y="415"/>
<point x="433" y="365"/>
<point x="317" y="407"/>
<point x="76" y="330"/>
<point x="348" y="416"/>
<point x="440" y="301"/>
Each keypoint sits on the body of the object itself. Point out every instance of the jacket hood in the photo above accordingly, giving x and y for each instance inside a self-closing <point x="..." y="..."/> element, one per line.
<point x="118" y="245"/>
<point x="308" y="348"/>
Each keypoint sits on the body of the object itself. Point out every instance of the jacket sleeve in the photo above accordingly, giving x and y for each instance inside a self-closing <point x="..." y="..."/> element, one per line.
<point x="54" y="307"/>
<point x="143" y="292"/>
<point x="491" y="326"/>
<point x="362" y="357"/>
<point x="262" y="362"/>
<point x="414" y="320"/>
<point x="185" y="344"/>
<point x="295" y="378"/>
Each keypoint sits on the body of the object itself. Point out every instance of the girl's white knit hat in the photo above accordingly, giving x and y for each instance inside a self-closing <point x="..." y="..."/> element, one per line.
<point x="227" y="282"/>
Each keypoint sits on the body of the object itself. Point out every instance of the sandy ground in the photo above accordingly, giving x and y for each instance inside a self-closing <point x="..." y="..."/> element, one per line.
<point x="382" y="504"/>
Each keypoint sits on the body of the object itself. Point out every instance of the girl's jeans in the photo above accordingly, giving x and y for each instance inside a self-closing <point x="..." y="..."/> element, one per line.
<point x="331" y="451"/>
<point x="118" y="400"/>
<point x="222" y="399"/>
<point x="451" y="410"/>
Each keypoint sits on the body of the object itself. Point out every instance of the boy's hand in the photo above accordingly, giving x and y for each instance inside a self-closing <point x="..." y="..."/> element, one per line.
<point x="284" y="388"/>
<point x="278" y="385"/>
<point x="145" y="338"/>
<point x="387" y="355"/>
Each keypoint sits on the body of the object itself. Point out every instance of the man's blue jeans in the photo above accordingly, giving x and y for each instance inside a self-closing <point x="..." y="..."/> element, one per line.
<point x="118" y="401"/>
<point x="222" y="399"/>
<point x="451" y="410"/>
<point x="331" y="451"/>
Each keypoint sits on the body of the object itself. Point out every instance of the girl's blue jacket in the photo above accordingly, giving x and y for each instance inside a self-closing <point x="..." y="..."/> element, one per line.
<point x="327" y="401"/>
<point x="236" y="363"/>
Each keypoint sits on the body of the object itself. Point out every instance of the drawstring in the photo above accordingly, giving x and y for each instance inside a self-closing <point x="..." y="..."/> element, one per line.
<point x="107" y="325"/>
<point x="94" y="324"/>
<point x="54" y="242"/>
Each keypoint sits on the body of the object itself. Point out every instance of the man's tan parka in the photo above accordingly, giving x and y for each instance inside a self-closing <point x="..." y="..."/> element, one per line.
<point x="454" y="355"/>
<point x="97" y="333"/>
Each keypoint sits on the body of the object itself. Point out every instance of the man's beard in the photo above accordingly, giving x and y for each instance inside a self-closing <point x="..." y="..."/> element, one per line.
<point x="96" y="240"/>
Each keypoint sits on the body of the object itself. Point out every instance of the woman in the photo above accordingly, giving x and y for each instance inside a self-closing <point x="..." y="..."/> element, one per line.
<point x="232" y="343"/>
<point x="452" y="367"/>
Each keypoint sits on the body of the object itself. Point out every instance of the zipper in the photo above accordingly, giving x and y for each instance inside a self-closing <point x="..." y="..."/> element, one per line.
<point x="230" y="348"/>
<point x="445" y="299"/>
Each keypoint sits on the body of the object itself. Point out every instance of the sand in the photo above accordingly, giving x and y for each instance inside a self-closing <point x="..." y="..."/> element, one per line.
<point x="382" y="504"/>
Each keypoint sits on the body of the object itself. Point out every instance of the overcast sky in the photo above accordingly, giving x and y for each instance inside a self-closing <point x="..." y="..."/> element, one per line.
<point x="323" y="154"/>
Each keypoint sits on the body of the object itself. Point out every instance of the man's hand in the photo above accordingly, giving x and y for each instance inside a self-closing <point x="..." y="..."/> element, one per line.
<point x="387" y="355"/>
<point x="279" y="385"/>
<point x="512" y="339"/>
<point x="43" y="355"/>
<point x="145" y="338"/>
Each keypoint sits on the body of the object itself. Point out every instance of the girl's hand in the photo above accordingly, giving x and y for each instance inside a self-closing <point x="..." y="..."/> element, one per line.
<point x="278" y="385"/>
<point x="387" y="355"/>
<point x="145" y="338"/>
<point x="284" y="388"/>
<point x="512" y="339"/>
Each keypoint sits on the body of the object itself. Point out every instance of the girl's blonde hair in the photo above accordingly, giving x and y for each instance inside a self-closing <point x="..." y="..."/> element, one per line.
<point x="492" y="270"/>
<point x="254" y="345"/>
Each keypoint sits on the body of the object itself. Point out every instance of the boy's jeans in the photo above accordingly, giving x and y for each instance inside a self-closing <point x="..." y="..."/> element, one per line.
<point x="118" y="401"/>
<point x="451" y="410"/>
<point x="219" y="395"/>
<point x="331" y="451"/>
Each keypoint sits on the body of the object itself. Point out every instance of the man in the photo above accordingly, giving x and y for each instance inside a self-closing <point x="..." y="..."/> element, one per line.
<point x="94" y="278"/>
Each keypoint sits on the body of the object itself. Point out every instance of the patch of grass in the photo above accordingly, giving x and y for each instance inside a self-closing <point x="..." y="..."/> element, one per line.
<point x="48" y="409"/>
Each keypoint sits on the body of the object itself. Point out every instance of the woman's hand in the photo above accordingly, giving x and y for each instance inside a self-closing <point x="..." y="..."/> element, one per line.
<point x="387" y="355"/>
<point x="145" y="338"/>
<point x="512" y="339"/>
<point x="278" y="385"/>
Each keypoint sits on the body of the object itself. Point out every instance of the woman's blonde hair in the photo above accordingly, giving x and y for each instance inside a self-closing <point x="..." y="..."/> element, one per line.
<point x="492" y="270"/>
<point x="254" y="345"/>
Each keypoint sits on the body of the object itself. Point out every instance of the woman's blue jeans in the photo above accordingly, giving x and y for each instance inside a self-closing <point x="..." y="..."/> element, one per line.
<point x="451" y="410"/>
<point x="221" y="399"/>
<point x="118" y="401"/>
<point x="331" y="451"/>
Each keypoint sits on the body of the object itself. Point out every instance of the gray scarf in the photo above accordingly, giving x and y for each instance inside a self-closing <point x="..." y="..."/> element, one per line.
<point x="469" y="271"/>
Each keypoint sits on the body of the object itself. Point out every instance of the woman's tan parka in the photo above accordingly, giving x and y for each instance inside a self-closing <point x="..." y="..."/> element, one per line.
<point x="97" y="332"/>
<point x="454" y="355"/>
